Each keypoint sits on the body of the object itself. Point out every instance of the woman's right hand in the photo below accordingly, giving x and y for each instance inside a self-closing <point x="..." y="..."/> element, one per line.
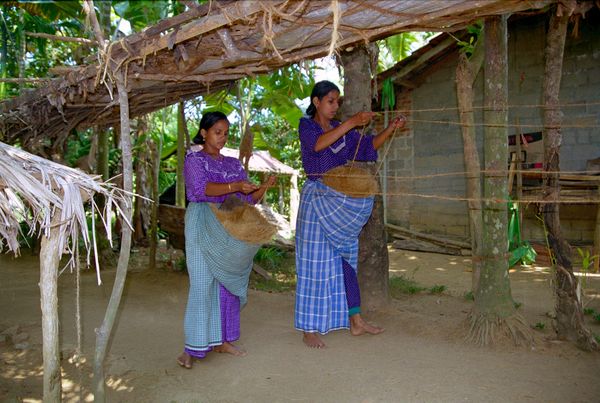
<point x="244" y="187"/>
<point x="361" y="118"/>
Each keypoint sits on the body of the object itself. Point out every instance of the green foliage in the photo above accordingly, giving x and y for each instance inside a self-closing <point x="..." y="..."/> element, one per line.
<point x="474" y="32"/>
<point x="269" y="257"/>
<point x="142" y="13"/>
<point x="51" y="17"/>
<point x="281" y="267"/>
<point x="397" y="47"/>
<point x="437" y="289"/>
<point x="540" y="325"/>
<point x="401" y="285"/>
<point x="469" y="296"/>
<point x="517" y="304"/>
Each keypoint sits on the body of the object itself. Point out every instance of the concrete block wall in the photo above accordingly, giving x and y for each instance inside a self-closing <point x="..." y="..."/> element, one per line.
<point x="432" y="199"/>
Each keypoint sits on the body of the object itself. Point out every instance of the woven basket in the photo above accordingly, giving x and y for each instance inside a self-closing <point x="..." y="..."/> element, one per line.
<point x="245" y="223"/>
<point x="352" y="181"/>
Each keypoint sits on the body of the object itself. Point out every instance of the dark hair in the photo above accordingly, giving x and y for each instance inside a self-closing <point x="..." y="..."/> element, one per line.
<point x="208" y="120"/>
<point x="320" y="89"/>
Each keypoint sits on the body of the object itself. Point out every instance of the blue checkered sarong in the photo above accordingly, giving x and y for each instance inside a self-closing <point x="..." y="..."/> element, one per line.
<point x="213" y="257"/>
<point x="327" y="231"/>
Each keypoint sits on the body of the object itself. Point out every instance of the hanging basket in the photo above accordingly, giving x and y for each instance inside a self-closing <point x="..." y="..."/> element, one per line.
<point x="244" y="222"/>
<point x="352" y="181"/>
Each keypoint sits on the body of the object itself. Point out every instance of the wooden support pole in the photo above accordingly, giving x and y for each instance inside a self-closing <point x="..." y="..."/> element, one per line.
<point x="49" y="259"/>
<point x="597" y="237"/>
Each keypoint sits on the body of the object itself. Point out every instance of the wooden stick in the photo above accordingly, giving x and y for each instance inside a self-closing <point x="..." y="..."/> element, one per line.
<point x="443" y="241"/>
<point x="596" y="250"/>
<point x="23" y="80"/>
<point x="61" y="38"/>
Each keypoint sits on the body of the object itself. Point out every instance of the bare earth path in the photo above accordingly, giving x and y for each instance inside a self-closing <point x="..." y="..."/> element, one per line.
<point x="420" y="358"/>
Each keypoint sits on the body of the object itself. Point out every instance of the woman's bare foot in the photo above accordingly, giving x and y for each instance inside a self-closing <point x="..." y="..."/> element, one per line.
<point x="228" y="348"/>
<point x="312" y="340"/>
<point x="359" y="326"/>
<point x="185" y="360"/>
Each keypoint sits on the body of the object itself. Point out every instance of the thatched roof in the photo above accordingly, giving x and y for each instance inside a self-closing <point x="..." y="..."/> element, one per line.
<point x="262" y="161"/>
<point x="35" y="190"/>
<point x="209" y="47"/>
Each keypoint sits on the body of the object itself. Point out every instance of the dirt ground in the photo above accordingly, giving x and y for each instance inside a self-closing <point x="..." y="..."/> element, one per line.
<point x="421" y="357"/>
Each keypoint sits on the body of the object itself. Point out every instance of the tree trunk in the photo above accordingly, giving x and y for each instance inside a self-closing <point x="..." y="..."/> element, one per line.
<point x="49" y="260"/>
<point x="104" y="332"/>
<point x="153" y="232"/>
<point x="143" y="173"/>
<point x="373" y="259"/>
<point x="494" y="312"/>
<point x="466" y="72"/>
<point x="181" y="130"/>
<point x="103" y="149"/>
<point x="22" y="50"/>
<point x="570" y="324"/>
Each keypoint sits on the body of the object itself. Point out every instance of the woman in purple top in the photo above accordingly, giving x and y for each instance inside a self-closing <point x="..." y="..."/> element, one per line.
<point x="327" y="292"/>
<point x="211" y="322"/>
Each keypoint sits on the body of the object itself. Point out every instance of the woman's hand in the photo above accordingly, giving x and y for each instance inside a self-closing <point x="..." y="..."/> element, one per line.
<point x="270" y="182"/>
<point x="398" y="122"/>
<point x="244" y="187"/>
<point x="361" y="118"/>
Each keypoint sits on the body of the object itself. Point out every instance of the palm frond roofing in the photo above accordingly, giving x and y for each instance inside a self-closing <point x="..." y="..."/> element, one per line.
<point x="34" y="190"/>
<point x="209" y="47"/>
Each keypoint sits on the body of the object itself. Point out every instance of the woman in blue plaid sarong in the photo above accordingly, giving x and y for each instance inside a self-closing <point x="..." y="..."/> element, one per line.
<point x="217" y="287"/>
<point x="329" y="222"/>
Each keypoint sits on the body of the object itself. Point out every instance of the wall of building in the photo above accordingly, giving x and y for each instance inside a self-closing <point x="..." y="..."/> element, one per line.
<point x="433" y="200"/>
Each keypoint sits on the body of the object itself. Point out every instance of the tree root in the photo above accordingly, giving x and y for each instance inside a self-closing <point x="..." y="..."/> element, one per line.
<point x="488" y="329"/>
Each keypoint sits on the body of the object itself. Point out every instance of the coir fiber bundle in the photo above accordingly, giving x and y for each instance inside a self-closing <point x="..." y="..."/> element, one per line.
<point x="245" y="223"/>
<point x="351" y="180"/>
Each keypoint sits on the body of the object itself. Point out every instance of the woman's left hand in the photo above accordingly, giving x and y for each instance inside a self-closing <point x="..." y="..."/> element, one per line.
<point x="398" y="122"/>
<point x="270" y="182"/>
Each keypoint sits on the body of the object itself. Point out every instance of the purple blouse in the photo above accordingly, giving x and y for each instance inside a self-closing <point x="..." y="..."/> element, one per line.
<point x="200" y="169"/>
<point x="343" y="150"/>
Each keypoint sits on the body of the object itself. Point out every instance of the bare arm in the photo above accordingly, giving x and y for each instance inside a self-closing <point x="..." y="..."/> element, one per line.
<point x="258" y="194"/>
<point x="219" y="189"/>
<point x="331" y="136"/>
<point x="396" y="123"/>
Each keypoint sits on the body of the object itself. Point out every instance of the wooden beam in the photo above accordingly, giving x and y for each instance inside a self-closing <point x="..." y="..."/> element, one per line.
<point x="61" y="38"/>
<point x="234" y="12"/>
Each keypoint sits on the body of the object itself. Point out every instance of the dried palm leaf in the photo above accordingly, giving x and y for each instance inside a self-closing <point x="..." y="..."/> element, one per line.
<point x="33" y="190"/>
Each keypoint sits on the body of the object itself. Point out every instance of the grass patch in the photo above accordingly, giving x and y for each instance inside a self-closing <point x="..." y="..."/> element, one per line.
<point x="401" y="286"/>
<point x="437" y="289"/>
<point x="280" y="265"/>
<point x="518" y="304"/>
<point x="469" y="296"/>
<point x="539" y="325"/>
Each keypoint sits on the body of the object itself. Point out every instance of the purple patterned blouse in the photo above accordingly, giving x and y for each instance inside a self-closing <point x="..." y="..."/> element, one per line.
<point x="343" y="150"/>
<point x="200" y="169"/>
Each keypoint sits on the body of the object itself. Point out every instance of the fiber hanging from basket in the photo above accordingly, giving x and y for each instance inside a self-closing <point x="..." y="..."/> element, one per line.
<point x="244" y="221"/>
<point x="351" y="180"/>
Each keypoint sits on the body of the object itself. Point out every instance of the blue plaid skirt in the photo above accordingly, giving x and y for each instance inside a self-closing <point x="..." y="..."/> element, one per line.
<point x="327" y="230"/>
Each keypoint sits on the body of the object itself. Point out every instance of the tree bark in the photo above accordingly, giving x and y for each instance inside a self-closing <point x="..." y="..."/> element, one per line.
<point x="570" y="323"/>
<point x="373" y="258"/>
<point x="49" y="260"/>
<point x="143" y="174"/>
<point x="181" y="140"/>
<point x="22" y="50"/>
<point x="103" y="149"/>
<point x="104" y="332"/>
<point x="494" y="313"/>
<point x="466" y="72"/>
